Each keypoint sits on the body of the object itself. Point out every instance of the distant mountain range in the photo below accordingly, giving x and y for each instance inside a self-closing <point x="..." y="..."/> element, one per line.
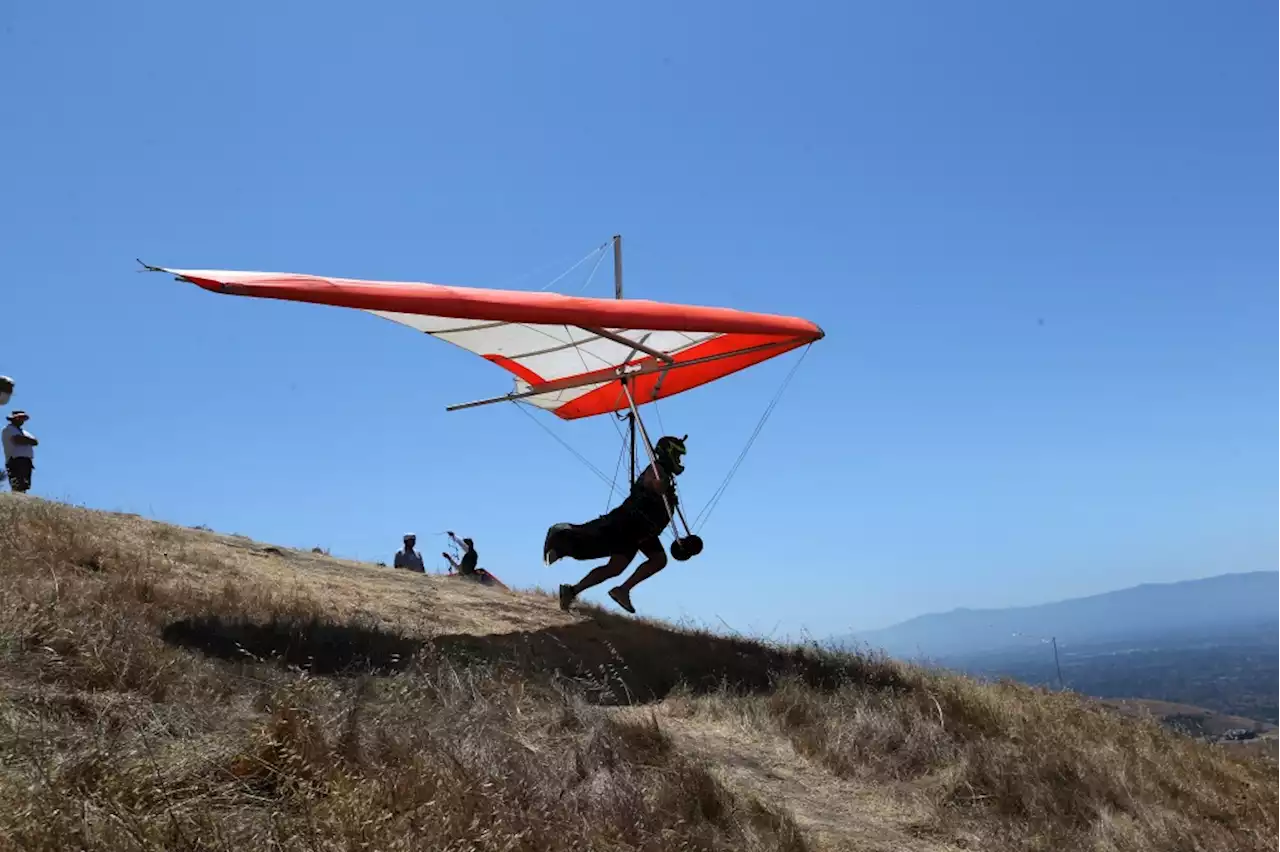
<point x="1223" y="605"/>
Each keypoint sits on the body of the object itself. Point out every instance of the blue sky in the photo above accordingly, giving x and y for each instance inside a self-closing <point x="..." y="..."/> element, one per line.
<point x="1040" y="238"/>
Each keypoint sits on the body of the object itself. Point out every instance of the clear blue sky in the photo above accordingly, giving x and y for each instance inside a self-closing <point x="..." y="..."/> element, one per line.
<point x="1041" y="239"/>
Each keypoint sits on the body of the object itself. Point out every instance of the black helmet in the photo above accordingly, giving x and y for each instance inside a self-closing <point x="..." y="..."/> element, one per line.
<point x="669" y="450"/>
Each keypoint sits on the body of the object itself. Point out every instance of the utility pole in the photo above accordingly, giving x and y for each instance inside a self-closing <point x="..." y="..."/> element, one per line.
<point x="1054" y="641"/>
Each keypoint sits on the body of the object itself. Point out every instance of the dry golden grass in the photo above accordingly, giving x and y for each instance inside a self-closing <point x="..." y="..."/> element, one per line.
<point x="118" y="739"/>
<point x="164" y="688"/>
<point x="1020" y="768"/>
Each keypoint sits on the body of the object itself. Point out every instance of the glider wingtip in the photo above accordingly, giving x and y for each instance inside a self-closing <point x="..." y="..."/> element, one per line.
<point x="147" y="267"/>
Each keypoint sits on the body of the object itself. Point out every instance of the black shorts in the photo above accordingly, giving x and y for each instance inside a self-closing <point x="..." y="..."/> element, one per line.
<point x="19" y="471"/>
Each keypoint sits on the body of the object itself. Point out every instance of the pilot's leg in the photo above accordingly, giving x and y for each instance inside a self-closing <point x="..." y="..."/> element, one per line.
<point x="655" y="561"/>
<point x="615" y="566"/>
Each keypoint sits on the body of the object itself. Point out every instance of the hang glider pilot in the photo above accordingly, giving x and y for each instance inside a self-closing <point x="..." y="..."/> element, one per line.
<point x="410" y="558"/>
<point x="633" y="527"/>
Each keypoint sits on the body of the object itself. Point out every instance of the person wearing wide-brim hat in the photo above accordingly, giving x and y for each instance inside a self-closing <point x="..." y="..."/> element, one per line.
<point x="19" y="451"/>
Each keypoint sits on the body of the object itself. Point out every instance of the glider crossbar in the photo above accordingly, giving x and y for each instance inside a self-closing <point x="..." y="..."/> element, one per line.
<point x="623" y="372"/>
<point x="635" y="347"/>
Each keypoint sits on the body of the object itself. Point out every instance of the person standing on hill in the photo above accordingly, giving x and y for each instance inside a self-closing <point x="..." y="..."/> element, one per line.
<point x="19" y="451"/>
<point x="410" y="558"/>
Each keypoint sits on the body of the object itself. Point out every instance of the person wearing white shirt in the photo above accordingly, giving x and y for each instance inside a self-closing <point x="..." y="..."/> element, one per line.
<point x="410" y="558"/>
<point x="19" y="451"/>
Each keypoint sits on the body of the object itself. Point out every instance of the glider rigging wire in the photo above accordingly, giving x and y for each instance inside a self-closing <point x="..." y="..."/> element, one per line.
<point x="592" y="274"/>
<point x="597" y="250"/>
<point x="700" y="521"/>
<point x="522" y="407"/>
<point x="622" y="451"/>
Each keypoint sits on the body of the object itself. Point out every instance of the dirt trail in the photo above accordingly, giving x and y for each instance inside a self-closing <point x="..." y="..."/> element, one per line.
<point x="834" y="813"/>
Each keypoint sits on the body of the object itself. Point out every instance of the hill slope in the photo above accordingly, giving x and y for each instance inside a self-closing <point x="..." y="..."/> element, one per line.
<point x="1197" y="721"/>
<point x="167" y="688"/>
<point x="1224" y="604"/>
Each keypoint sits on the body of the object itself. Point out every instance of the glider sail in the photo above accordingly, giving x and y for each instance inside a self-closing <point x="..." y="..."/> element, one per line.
<point x="566" y="353"/>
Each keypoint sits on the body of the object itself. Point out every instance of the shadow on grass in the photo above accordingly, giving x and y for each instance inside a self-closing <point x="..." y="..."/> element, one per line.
<point x="315" y="645"/>
<point x="613" y="660"/>
<point x="618" y="660"/>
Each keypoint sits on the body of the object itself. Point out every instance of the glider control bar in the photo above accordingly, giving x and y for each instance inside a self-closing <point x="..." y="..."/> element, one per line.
<point x="602" y="376"/>
<point x="653" y="460"/>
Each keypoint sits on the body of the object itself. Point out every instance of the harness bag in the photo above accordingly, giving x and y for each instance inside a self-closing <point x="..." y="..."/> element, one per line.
<point x="640" y="517"/>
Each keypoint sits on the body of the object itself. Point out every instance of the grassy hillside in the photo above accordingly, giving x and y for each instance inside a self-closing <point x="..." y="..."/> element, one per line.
<point x="168" y="688"/>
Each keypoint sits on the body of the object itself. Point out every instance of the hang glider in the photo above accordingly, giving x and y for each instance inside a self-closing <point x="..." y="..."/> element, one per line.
<point x="573" y="356"/>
